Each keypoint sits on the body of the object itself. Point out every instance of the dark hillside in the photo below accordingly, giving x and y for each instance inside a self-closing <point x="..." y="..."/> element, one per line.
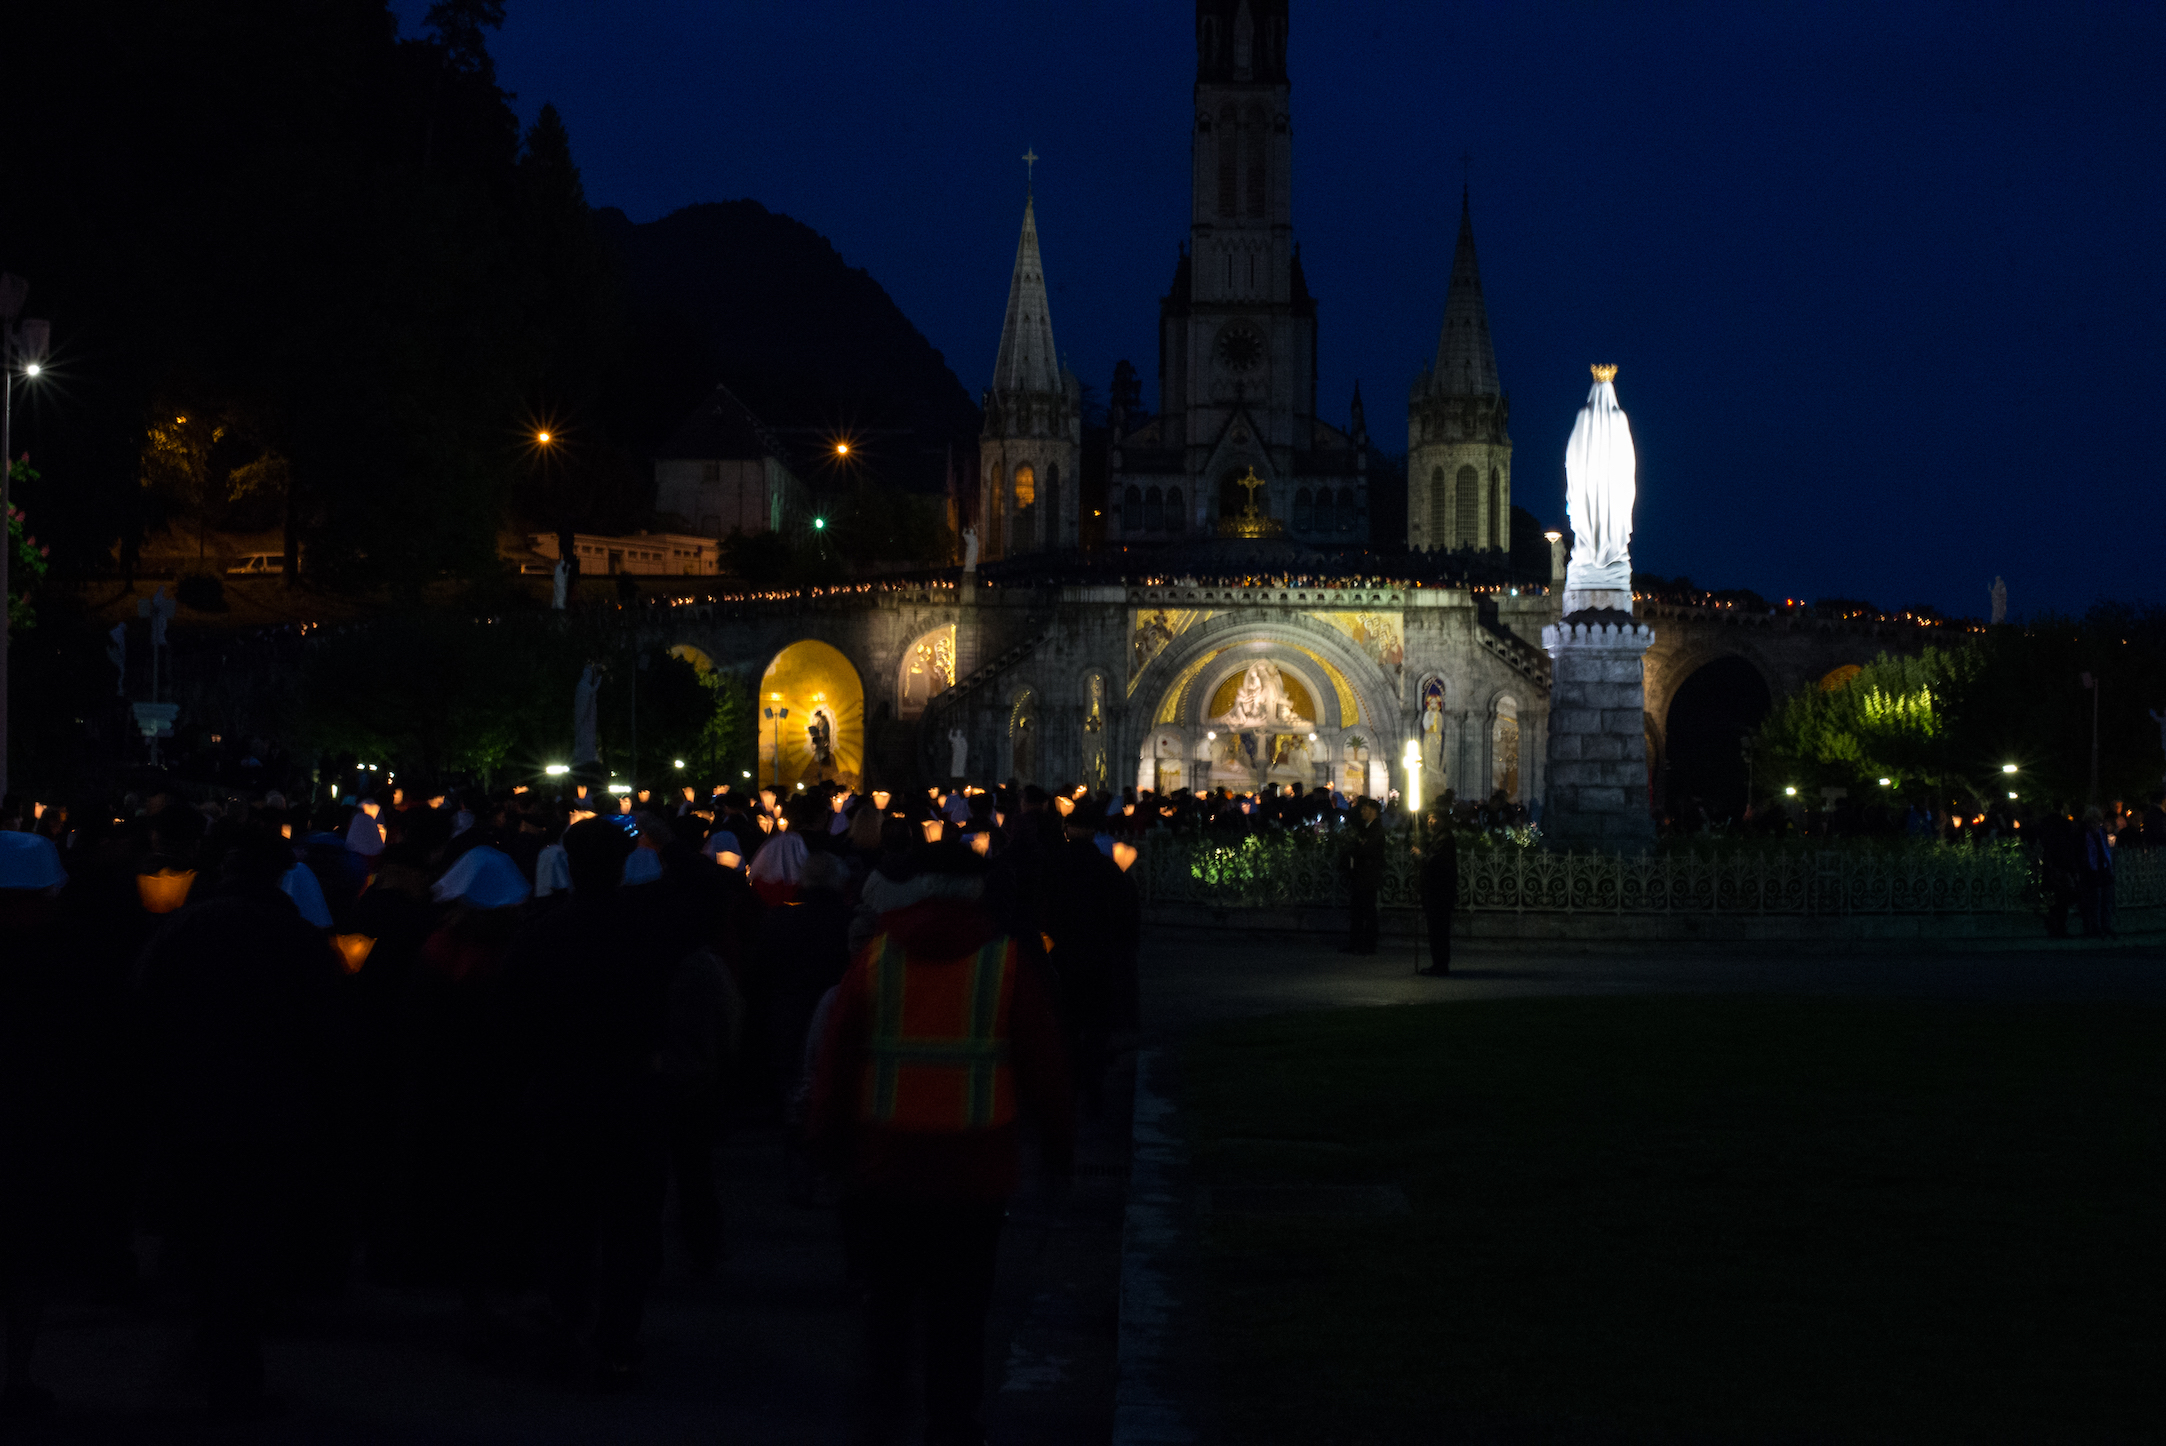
<point x="732" y="292"/>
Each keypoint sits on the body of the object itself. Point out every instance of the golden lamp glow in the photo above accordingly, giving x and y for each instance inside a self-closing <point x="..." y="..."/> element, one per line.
<point x="842" y="449"/>
<point x="353" y="950"/>
<point x="542" y="437"/>
<point x="932" y="830"/>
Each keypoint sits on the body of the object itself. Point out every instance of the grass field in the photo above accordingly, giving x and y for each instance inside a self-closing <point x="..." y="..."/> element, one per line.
<point x="1696" y="1219"/>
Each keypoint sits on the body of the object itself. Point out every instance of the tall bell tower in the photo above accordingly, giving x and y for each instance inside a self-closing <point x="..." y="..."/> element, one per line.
<point x="1459" y="453"/>
<point x="1238" y="337"/>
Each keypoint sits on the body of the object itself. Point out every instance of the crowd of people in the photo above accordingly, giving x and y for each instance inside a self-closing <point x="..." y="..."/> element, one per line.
<point x="479" y="1042"/>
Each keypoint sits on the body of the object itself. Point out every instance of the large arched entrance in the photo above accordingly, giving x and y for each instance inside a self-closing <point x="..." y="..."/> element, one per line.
<point x="812" y="718"/>
<point x="1704" y="735"/>
<point x="1253" y="707"/>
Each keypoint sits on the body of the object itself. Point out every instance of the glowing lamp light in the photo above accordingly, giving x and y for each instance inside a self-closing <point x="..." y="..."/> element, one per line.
<point x="981" y="844"/>
<point x="747" y="772"/>
<point x="1887" y="783"/>
<point x="1553" y="537"/>
<point x="2008" y="768"/>
<point x="542" y="437"/>
<point x="932" y="828"/>
<point x="31" y="369"/>
<point x="727" y="859"/>
<point x="1790" y="793"/>
<point x="353" y="950"/>
<point x="1124" y="854"/>
<point x="620" y="788"/>
<point x="819" y="524"/>
<point x="1065" y="804"/>
<point x="880" y="797"/>
<point x="557" y="770"/>
<point x="678" y="763"/>
<point x="842" y="449"/>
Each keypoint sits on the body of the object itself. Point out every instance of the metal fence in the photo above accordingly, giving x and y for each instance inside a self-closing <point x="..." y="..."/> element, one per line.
<point x="1288" y="871"/>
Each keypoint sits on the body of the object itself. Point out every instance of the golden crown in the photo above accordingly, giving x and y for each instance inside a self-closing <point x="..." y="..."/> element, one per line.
<point x="1604" y="374"/>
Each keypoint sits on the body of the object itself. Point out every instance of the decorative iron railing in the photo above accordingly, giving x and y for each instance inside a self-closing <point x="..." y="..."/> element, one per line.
<point x="1286" y="871"/>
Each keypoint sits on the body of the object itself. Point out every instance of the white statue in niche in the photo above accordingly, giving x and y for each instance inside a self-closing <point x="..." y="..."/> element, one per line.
<point x="1261" y="702"/>
<point x="958" y="752"/>
<point x="561" y="580"/>
<point x="970" y="549"/>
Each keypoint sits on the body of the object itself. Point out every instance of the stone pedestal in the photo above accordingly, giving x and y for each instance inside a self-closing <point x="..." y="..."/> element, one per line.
<point x="1597" y="785"/>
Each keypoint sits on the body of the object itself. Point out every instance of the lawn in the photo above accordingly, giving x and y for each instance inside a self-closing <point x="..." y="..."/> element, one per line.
<point x="1697" y="1219"/>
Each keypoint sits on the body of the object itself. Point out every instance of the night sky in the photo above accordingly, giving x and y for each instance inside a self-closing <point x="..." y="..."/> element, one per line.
<point x="1885" y="283"/>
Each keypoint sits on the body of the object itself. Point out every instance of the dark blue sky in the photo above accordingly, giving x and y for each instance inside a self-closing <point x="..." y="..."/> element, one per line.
<point x="1885" y="283"/>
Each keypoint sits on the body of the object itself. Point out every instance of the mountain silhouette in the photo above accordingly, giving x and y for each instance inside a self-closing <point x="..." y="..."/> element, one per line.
<point x="732" y="292"/>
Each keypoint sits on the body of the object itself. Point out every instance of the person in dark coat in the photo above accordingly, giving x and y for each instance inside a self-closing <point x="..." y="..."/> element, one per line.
<point x="35" y="1115"/>
<point x="586" y="997"/>
<point x="1439" y="854"/>
<point x="1365" y="875"/>
<point x="244" y="1055"/>
<point x="1090" y="912"/>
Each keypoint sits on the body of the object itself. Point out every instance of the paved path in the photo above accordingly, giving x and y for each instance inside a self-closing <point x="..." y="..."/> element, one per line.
<point x="765" y="1352"/>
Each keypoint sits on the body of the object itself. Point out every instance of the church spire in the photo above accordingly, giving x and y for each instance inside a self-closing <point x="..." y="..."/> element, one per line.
<point x="1466" y="363"/>
<point x="1028" y="362"/>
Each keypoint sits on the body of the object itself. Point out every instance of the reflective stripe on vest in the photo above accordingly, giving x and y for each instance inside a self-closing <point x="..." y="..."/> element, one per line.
<point x="940" y="1040"/>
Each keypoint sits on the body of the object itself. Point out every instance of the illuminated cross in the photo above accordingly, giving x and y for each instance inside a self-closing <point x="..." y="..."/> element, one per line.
<point x="1030" y="166"/>
<point x="1251" y="482"/>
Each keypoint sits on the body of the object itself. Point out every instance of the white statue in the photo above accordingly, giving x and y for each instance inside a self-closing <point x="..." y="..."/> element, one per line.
<point x="584" y="710"/>
<point x="958" y="752"/>
<point x="970" y="549"/>
<point x="561" y="584"/>
<point x="1600" y="471"/>
<point x="118" y="654"/>
<point x="1261" y="701"/>
<point x="2000" y="601"/>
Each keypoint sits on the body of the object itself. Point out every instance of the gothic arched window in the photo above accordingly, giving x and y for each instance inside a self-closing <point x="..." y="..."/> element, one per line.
<point x="1253" y="132"/>
<point x="1495" y="520"/>
<point x="1469" y="502"/>
<point x="1439" y="509"/>
<point x="1026" y="486"/>
<point x="1347" y="506"/>
<point x="1132" y="510"/>
<point x="1176" y="515"/>
<point x="1229" y="141"/>
<point x="1051" y="510"/>
<point x="1305" y="510"/>
<point x="1324" y="520"/>
<point x="1154" y="511"/>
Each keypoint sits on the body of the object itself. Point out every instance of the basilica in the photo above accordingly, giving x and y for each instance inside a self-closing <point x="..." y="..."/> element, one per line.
<point x="1238" y="445"/>
<point x="1238" y="622"/>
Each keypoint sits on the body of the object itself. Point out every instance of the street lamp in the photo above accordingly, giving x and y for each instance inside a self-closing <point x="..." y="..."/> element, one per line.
<point x="22" y="344"/>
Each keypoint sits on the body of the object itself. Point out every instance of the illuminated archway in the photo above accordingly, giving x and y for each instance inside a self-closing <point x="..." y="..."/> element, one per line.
<point x="927" y="670"/>
<point x="821" y="736"/>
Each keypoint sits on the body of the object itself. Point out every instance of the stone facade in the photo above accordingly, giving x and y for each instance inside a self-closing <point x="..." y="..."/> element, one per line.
<point x="1598" y="779"/>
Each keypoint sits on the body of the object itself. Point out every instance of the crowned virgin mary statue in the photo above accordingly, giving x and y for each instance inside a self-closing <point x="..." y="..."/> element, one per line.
<point x="1601" y="482"/>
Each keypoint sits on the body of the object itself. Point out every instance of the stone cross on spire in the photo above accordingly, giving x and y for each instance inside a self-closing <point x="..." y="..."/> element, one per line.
<point x="1030" y="168"/>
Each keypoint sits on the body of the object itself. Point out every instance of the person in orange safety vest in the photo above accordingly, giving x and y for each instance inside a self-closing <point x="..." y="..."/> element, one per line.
<point x="941" y="1040"/>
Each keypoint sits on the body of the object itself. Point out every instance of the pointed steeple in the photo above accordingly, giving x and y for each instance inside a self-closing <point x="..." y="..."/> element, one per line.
<point x="1466" y="363"/>
<point x="1028" y="362"/>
